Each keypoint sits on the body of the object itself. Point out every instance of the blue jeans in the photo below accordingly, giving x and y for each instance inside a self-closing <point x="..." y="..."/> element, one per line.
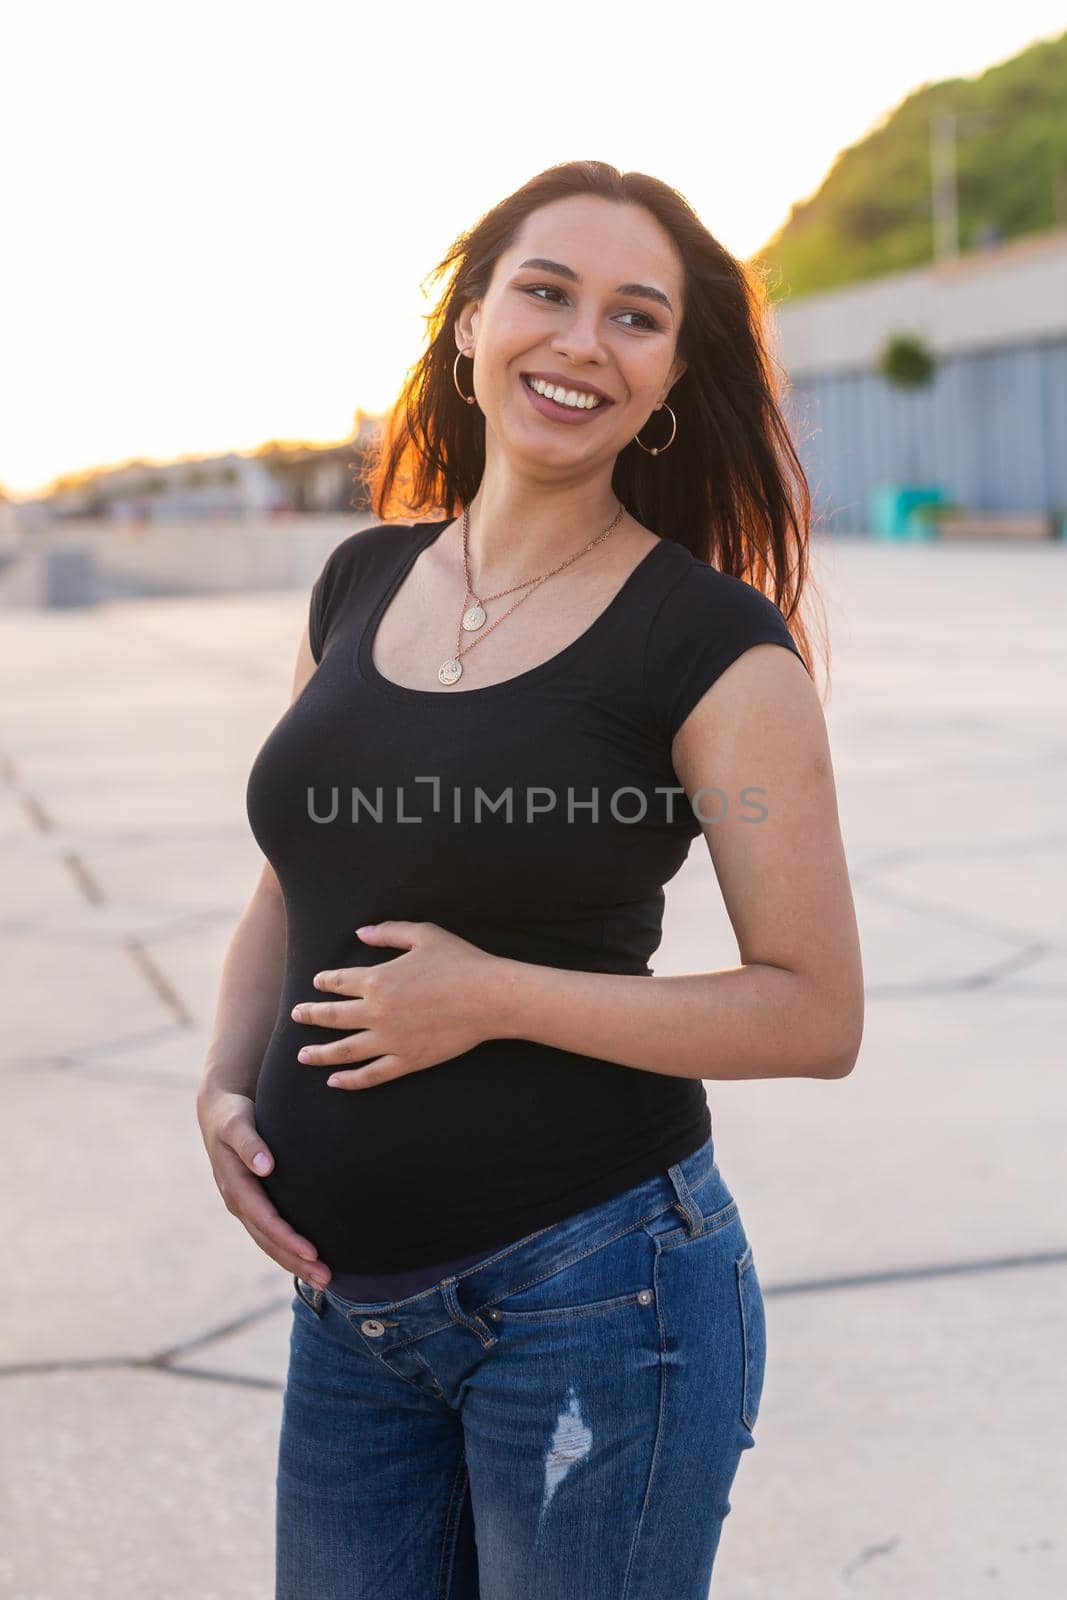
<point x="561" y="1422"/>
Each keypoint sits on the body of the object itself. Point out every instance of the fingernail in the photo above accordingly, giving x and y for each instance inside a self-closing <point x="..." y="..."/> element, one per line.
<point x="261" y="1161"/>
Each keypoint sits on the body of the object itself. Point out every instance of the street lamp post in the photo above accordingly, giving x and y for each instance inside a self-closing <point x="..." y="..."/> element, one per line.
<point x="945" y="128"/>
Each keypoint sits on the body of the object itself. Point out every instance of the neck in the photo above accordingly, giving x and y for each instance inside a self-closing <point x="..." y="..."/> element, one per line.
<point x="517" y="533"/>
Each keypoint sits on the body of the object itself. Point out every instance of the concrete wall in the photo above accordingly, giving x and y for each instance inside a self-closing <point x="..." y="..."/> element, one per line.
<point x="1014" y="296"/>
<point x="80" y="563"/>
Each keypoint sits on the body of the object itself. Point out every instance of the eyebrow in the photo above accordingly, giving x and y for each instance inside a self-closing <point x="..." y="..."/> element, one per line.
<point x="643" y="291"/>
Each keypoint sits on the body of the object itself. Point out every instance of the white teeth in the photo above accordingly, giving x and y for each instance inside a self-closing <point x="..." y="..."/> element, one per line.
<point x="565" y="397"/>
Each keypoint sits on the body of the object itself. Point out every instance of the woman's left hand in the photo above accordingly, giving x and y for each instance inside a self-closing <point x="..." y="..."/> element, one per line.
<point x="419" y="1009"/>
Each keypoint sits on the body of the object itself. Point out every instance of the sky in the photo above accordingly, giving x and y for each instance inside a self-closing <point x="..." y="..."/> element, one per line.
<point x="218" y="218"/>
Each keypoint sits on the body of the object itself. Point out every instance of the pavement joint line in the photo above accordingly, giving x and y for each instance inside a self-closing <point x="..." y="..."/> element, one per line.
<point x="165" y="1360"/>
<point x="102" y="840"/>
<point x="131" y="1077"/>
<point x="947" y="1269"/>
<point x="162" y="1360"/>
<point x="84" y="877"/>
<point x="157" y="979"/>
<point x="987" y="980"/>
<point x="141" y="1080"/>
<point x="224" y="1331"/>
<point x="38" y="813"/>
<point x="1024" y="958"/>
<point x="89" y="1055"/>
<point x="210" y="1375"/>
<point x="934" y="910"/>
<point x="950" y="850"/>
<point x="1033" y="991"/>
<point x="34" y="807"/>
<point x="119" y="1044"/>
<point x="868" y="1553"/>
<point x="103" y="1072"/>
<point x="103" y="843"/>
<point x="132" y="1364"/>
<point x="167" y="929"/>
<point x="186" y="922"/>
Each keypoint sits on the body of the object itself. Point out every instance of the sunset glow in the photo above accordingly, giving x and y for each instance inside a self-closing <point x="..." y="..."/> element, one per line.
<point x="218" y="217"/>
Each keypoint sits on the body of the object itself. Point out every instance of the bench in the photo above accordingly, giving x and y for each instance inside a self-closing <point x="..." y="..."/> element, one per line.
<point x="995" y="525"/>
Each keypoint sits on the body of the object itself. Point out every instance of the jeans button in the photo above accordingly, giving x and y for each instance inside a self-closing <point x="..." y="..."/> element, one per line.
<point x="372" y="1328"/>
<point x="645" y="1297"/>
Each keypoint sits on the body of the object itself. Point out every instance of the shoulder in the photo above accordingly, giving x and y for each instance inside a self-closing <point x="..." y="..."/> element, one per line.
<point x="351" y="562"/>
<point x="366" y="545"/>
<point x="700" y="593"/>
<point x="705" y="620"/>
<point x="699" y="597"/>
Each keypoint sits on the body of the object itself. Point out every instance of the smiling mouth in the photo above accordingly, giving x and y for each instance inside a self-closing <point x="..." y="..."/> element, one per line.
<point x="601" y="403"/>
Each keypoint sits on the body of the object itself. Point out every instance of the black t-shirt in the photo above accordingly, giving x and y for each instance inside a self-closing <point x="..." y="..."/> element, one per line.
<point x="539" y="818"/>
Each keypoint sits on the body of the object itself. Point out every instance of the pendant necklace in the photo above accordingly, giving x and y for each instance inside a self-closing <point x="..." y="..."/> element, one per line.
<point x="474" y="616"/>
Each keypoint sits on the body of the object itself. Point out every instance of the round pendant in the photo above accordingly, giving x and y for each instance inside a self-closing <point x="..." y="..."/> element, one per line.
<point x="449" y="671"/>
<point x="473" y="618"/>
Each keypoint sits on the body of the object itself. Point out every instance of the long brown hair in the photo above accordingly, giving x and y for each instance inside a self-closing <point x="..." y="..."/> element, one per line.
<point x="733" y="491"/>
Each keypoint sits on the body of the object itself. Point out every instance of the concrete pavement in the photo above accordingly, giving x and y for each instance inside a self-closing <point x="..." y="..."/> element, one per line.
<point x="908" y="1221"/>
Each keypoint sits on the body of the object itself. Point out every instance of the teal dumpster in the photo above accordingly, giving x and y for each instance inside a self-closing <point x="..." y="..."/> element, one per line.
<point x="891" y="505"/>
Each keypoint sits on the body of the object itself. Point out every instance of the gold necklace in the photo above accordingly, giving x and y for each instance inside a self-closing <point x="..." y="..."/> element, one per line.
<point x="474" y="616"/>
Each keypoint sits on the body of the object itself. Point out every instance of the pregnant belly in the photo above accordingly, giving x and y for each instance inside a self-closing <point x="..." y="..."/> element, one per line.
<point x="371" y="1176"/>
<point x="326" y="1179"/>
<point x="438" y="1162"/>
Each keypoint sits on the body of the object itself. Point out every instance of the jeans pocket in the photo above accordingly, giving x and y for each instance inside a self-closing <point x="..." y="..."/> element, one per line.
<point x="610" y="1277"/>
<point x="310" y="1296"/>
<point x="753" y="1336"/>
<point x="513" y="1311"/>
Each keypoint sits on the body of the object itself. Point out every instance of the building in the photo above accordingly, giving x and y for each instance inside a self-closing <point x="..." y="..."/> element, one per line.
<point x="990" y="430"/>
<point x="277" y="478"/>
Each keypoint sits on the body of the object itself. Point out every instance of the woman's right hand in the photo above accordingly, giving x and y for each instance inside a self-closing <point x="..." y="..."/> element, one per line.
<point x="239" y="1158"/>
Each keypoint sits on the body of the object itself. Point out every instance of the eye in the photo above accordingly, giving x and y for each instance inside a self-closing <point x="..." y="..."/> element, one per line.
<point x="551" y="288"/>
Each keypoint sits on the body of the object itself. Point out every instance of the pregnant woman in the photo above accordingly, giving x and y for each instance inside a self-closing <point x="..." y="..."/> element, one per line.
<point x="444" y="1090"/>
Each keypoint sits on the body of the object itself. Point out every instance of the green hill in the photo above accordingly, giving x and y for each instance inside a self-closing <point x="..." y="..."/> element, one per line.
<point x="872" y="213"/>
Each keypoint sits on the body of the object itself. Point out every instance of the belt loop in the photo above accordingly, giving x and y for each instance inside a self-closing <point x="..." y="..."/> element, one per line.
<point x="691" y="1212"/>
<point x="447" y="1287"/>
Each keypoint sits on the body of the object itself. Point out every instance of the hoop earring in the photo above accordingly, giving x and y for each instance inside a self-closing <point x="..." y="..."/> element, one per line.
<point x="658" y="450"/>
<point x="468" y="397"/>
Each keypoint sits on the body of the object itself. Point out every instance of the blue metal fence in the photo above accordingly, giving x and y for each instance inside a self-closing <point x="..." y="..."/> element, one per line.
<point x="990" y="431"/>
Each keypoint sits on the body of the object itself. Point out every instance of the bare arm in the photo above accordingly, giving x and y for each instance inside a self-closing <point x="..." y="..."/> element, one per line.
<point x="794" y="1007"/>
<point x="249" y="987"/>
<point x="247" y="1006"/>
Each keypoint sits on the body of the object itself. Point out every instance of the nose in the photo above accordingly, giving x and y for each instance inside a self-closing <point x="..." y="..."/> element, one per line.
<point x="579" y="342"/>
